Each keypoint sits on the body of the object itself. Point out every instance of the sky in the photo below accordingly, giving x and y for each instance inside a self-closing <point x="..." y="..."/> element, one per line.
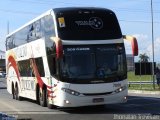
<point x="134" y="17"/>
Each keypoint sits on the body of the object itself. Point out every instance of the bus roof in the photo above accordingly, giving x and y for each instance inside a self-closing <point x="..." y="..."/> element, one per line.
<point x="68" y="9"/>
<point x="30" y="22"/>
<point x="59" y="10"/>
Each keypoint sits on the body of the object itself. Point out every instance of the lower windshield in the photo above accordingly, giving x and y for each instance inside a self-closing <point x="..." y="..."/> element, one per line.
<point x="93" y="64"/>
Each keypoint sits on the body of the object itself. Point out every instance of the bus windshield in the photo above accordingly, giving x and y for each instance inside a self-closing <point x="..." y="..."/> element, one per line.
<point x="88" y="25"/>
<point x="93" y="64"/>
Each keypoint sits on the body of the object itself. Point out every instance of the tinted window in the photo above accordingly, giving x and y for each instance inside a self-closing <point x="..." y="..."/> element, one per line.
<point x="48" y="32"/>
<point x="10" y="42"/>
<point x="34" y="31"/>
<point x="26" y="68"/>
<point x="43" y="27"/>
<point x="21" y="37"/>
<point x="39" y="63"/>
<point x="47" y="25"/>
<point x="91" y="25"/>
<point x="92" y="64"/>
<point x="52" y="64"/>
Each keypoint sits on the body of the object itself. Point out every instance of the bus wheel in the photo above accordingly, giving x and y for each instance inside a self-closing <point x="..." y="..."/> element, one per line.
<point x="50" y="106"/>
<point x="13" y="92"/>
<point x="37" y="95"/>
<point x="42" y="98"/>
<point x="16" y="93"/>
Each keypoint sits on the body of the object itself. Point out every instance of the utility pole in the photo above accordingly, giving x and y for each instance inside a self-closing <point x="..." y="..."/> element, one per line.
<point x="153" y="69"/>
<point x="7" y="27"/>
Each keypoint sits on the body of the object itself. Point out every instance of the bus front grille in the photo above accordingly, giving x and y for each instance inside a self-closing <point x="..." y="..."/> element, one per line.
<point x="93" y="94"/>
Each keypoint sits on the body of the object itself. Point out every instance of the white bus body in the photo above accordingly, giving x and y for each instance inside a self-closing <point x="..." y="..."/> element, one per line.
<point x="56" y="71"/>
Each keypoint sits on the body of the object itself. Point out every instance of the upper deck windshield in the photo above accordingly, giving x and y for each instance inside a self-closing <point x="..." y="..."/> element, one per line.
<point x="87" y="24"/>
<point x="93" y="64"/>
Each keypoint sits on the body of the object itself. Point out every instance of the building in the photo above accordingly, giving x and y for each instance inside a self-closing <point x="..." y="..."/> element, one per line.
<point x="130" y="62"/>
<point x="2" y="61"/>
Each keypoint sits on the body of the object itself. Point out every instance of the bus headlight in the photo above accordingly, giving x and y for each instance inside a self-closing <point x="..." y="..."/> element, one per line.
<point x="72" y="92"/>
<point x="120" y="89"/>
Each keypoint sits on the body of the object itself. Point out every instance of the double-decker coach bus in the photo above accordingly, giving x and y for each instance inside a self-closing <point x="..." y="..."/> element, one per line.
<point x="68" y="57"/>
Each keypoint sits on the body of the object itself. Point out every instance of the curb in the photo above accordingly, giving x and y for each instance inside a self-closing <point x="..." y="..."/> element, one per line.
<point x="3" y="87"/>
<point x="144" y="92"/>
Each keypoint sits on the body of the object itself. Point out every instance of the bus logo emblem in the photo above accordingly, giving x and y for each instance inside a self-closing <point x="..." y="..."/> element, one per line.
<point x="93" y="22"/>
<point x="96" y="23"/>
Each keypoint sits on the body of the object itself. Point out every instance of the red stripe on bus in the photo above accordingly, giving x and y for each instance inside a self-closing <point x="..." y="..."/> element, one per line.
<point x="12" y="62"/>
<point x="37" y="75"/>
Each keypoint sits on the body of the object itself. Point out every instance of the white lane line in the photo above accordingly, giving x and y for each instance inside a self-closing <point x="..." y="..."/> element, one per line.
<point x="35" y="112"/>
<point x="42" y="113"/>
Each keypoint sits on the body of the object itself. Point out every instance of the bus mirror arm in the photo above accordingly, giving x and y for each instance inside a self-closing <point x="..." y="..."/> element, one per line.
<point x="134" y="44"/>
<point x="59" y="47"/>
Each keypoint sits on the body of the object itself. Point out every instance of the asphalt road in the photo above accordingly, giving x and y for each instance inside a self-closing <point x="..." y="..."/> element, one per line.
<point x="138" y="107"/>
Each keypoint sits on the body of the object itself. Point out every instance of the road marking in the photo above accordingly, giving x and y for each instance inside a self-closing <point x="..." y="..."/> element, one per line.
<point x="35" y="112"/>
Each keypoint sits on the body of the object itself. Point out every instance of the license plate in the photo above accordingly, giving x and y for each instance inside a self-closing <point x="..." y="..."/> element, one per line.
<point x="96" y="100"/>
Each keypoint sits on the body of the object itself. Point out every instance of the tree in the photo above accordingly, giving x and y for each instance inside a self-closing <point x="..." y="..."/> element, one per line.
<point x="143" y="57"/>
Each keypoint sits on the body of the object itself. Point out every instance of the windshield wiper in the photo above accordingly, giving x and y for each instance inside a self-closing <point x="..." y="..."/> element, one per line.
<point x="97" y="81"/>
<point x="82" y="75"/>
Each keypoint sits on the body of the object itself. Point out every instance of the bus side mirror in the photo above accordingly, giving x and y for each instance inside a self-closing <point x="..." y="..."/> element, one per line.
<point x="59" y="47"/>
<point x="134" y="44"/>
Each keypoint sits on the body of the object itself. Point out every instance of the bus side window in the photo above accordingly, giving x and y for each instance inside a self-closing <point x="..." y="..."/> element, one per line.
<point x="48" y="31"/>
<point x="34" y="31"/>
<point x="24" y="68"/>
<point x="38" y="29"/>
<point x="10" y="42"/>
<point x="40" y="66"/>
<point x="52" y="64"/>
<point x="31" y="33"/>
<point x="47" y="25"/>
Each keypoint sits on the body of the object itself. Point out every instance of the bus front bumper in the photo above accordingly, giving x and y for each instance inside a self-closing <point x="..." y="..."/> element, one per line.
<point x="69" y="100"/>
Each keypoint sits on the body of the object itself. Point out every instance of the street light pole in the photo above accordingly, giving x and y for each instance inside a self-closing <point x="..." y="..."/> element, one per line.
<point x="8" y="27"/>
<point x="153" y="77"/>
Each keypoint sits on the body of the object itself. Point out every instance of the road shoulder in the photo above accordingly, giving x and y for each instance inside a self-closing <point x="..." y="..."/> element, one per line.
<point x="144" y="92"/>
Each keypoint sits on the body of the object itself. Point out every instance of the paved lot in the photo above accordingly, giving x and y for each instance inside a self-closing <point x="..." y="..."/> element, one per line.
<point x="139" y="106"/>
<point x="3" y="83"/>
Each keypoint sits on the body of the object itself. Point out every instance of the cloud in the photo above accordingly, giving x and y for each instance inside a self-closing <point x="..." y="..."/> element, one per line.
<point x="145" y="46"/>
<point x="156" y="49"/>
<point x="143" y="42"/>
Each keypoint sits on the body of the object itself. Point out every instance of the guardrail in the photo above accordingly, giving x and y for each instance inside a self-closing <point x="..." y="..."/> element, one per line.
<point x="141" y="82"/>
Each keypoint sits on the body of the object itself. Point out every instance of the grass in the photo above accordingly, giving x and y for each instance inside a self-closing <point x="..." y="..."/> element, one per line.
<point x="147" y="87"/>
<point x="133" y="77"/>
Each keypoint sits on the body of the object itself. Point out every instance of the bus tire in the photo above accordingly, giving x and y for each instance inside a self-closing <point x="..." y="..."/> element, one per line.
<point x="42" y="97"/>
<point x="16" y="93"/>
<point x="13" y="92"/>
<point x="37" y="95"/>
<point x="50" y="106"/>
